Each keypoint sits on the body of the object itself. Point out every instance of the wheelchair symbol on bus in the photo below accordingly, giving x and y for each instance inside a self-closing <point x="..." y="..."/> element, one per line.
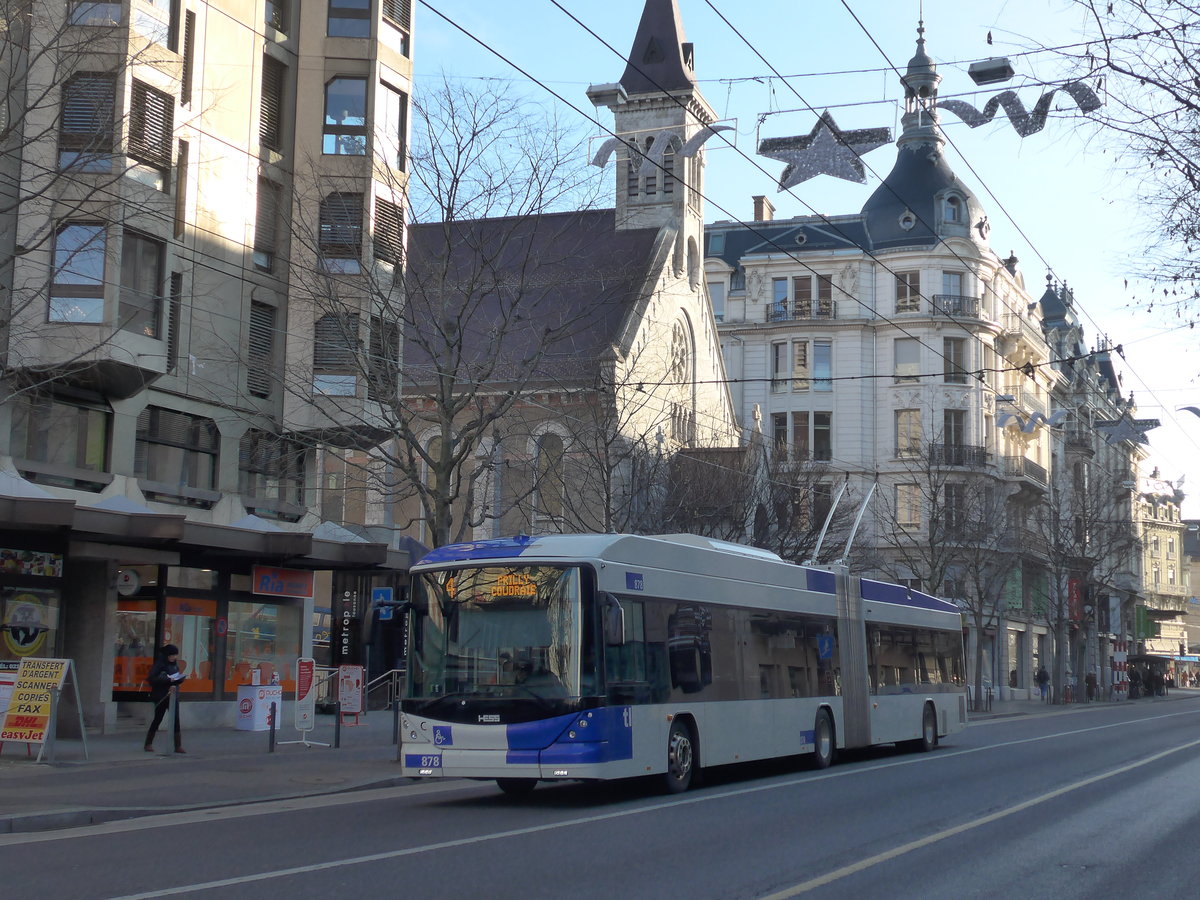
<point x="825" y="646"/>
<point x="442" y="736"/>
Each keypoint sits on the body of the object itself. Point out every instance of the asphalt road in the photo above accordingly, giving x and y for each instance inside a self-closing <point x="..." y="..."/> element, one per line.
<point x="1102" y="802"/>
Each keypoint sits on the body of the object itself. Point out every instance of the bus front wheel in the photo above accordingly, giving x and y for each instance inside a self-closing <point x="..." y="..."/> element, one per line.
<point x="517" y="787"/>
<point x="823" y="744"/>
<point x="681" y="758"/>
<point x="928" y="739"/>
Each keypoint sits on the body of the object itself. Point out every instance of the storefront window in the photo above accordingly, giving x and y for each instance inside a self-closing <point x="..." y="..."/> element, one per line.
<point x="189" y="625"/>
<point x="196" y="579"/>
<point x="263" y="638"/>
<point x="136" y="620"/>
<point x="30" y="620"/>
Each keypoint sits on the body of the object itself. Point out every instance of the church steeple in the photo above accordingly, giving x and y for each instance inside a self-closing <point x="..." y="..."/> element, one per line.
<point x="657" y="111"/>
<point x="920" y="120"/>
<point x="660" y="59"/>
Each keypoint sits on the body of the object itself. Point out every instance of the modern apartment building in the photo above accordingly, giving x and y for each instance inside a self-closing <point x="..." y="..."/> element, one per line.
<point x="198" y="202"/>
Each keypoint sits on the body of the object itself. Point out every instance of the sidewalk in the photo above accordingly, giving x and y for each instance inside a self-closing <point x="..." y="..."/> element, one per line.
<point x="222" y="767"/>
<point x="1003" y="709"/>
<point x="225" y="767"/>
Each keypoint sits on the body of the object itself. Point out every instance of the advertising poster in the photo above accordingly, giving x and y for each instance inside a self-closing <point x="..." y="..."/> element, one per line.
<point x="306" y="693"/>
<point x="28" y="621"/>
<point x="350" y="689"/>
<point x="27" y="717"/>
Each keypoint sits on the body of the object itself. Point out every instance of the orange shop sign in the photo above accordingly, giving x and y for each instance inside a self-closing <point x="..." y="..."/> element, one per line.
<point x="272" y="581"/>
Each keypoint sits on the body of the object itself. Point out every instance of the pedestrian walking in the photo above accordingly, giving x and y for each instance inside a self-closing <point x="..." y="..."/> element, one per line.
<point x="165" y="678"/>
<point x="1043" y="682"/>
<point x="1135" y="682"/>
<point x="1089" y="682"/>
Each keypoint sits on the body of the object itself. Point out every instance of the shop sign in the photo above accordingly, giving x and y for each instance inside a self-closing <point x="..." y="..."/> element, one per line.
<point x="30" y="562"/>
<point x="273" y="581"/>
<point x="27" y="718"/>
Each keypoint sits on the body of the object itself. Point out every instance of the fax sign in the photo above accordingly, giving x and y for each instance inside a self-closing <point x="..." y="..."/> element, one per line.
<point x="825" y="646"/>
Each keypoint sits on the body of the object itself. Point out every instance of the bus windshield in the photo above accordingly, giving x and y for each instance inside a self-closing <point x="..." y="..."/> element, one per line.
<point x="499" y="631"/>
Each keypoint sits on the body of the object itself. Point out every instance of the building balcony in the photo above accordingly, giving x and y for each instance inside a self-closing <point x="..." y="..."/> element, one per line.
<point x="1018" y="326"/>
<point x="1019" y="466"/>
<point x="955" y="305"/>
<point x="958" y="455"/>
<point x="110" y="361"/>
<point x="802" y="311"/>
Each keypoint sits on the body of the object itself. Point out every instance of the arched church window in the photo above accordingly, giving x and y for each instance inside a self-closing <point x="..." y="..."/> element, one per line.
<point x="548" y="500"/>
<point x="681" y="354"/>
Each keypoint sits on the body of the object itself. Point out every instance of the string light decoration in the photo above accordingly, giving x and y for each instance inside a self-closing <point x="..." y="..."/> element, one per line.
<point x="1023" y="122"/>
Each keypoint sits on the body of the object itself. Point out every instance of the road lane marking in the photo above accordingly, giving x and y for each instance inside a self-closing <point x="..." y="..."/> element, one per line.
<point x="321" y="801"/>
<point x="656" y="807"/>
<point x="920" y="843"/>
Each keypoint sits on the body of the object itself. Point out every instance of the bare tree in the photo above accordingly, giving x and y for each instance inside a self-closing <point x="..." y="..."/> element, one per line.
<point x="488" y="308"/>
<point x="947" y="526"/>
<point x="1146" y="56"/>
<point x="1087" y="537"/>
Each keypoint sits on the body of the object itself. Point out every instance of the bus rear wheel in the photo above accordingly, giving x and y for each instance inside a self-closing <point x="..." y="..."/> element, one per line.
<point x="517" y="787"/>
<point x="823" y="743"/>
<point x="681" y="758"/>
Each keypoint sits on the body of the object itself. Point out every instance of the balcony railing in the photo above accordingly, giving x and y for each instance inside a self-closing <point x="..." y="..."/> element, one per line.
<point x="1025" y="468"/>
<point x="957" y="455"/>
<point x="809" y="309"/>
<point x="955" y="305"/>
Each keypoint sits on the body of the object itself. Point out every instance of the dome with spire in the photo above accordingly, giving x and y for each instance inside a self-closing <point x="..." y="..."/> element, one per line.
<point x="921" y="201"/>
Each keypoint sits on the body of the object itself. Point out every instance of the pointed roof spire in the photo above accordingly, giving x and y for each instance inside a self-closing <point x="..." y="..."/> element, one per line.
<point x="922" y="62"/>
<point x="660" y="59"/>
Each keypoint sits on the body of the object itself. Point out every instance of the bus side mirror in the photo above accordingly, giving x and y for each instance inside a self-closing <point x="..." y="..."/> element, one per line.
<point x="614" y="620"/>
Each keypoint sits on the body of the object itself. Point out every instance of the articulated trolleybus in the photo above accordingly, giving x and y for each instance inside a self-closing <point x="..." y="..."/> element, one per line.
<point x="570" y="657"/>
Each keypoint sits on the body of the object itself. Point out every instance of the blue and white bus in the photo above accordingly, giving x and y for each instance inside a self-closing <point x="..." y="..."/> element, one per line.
<point x="570" y="657"/>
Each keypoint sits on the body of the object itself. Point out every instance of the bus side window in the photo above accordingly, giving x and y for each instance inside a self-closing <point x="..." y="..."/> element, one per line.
<point x="625" y="664"/>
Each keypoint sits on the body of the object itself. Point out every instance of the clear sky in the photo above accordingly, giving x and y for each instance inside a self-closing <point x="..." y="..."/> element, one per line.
<point x="1056" y="198"/>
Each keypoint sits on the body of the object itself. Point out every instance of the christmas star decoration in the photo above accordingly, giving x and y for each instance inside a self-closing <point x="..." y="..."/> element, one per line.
<point x="1127" y="429"/>
<point x="826" y="150"/>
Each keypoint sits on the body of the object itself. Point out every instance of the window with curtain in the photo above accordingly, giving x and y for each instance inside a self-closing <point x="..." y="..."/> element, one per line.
<point x="907" y="360"/>
<point x="142" y="283"/>
<point x="174" y="448"/>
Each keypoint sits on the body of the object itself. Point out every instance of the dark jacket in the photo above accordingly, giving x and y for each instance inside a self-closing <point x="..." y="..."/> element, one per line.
<point x="160" y="677"/>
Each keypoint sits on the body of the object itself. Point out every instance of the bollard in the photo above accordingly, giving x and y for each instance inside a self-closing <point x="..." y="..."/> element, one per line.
<point x="271" y="722"/>
<point x="395" y="721"/>
<point x="337" y="725"/>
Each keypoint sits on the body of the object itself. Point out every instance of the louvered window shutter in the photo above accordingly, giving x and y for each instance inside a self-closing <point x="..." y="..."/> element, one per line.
<point x="260" y="349"/>
<point x="341" y="226"/>
<point x="151" y="124"/>
<point x="267" y="217"/>
<point x="270" y="123"/>
<point x="335" y="340"/>
<point x="400" y="12"/>
<point x="87" y="113"/>
<point x="389" y="232"/>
